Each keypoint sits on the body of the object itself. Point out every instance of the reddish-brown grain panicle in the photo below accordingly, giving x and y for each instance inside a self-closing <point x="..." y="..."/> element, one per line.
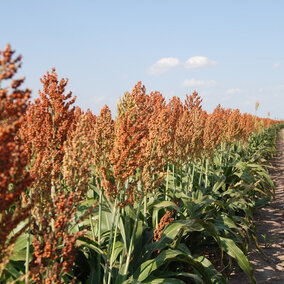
<point x="195" y="124"/>
<point x="54" y="246"/>
<point x="103" y="144"/>
<point x="14" y="178"/>
<point x="130" y="129"/>
<point x="52" y="113"/>
<point x="213" y="130"/>
<point x="76" y="167"/>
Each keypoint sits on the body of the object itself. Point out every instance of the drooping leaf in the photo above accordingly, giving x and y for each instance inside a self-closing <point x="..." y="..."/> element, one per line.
<point x="231" y="249"/>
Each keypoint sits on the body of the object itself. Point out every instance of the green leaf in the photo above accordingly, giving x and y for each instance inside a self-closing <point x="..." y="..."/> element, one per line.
<point x="19" y="252"/>
<point x="165" y="204"/>
<point x="83" y="241"/>
<point x="153" y="280"/>
<point x="167" y="237"/>
<point x="219" y="184"/>
<point x="151" y="265"/>
<point x="118" y="247"/>
<point x="166" y="274"/>
<point x="12" y="270"/>
<point x="201" y="265"/>
<point x="231" y="249"/>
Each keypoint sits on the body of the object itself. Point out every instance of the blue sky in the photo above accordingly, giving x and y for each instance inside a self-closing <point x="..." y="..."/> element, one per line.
<point x="231" y="52"/>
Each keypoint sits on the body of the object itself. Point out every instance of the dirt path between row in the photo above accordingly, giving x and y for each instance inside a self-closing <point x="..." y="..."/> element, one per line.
<point x="270" y="229"/>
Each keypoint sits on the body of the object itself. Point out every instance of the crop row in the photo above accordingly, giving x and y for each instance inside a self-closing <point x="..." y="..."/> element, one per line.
<point x="163" y="193"/>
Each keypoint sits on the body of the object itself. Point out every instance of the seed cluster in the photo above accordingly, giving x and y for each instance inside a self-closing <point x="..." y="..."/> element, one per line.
<point x="51" y="151"/>
<point x="14" y="179"/>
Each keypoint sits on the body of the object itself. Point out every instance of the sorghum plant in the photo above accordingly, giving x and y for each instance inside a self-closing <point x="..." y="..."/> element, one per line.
<point x="14" y="178"/>
<point x="197" y="119"/>
<point x="103" y="137"/>
<point x="213" y="130"/>
<point x="76" y="165"/>
<point x="130" y="130"/>
<point x="45" y="130"/>
<point x="60" y="159"/>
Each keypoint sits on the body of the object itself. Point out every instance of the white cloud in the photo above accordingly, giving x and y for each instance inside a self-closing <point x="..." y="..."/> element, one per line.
<point x="233" y="91"/>
<point x="163" y="65"/>
<point x="247" y="102"/>
<point x="97" y="100"/>
<point x="279" y="87"/>
<point x="276" y="65"/>
<point x="198" y="83"/>
<point x="198" y="62"/>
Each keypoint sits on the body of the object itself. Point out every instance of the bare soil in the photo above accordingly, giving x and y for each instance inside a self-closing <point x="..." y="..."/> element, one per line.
<point x="269" y="230"/>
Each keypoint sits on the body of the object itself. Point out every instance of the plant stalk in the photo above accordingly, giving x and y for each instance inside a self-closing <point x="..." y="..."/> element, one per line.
<point x="201" y="171"/>
<point x="192" y="175"/>
<point x="28" y="253"/>
<point x="206" y="172"/>
<point x="99" y="235"/>
<point x="132" y="237"/>
<point x="175" y="185"/>
<point x="113" y="245"/>
<point x="167" y="181"/>
<point x="110" y="242"/>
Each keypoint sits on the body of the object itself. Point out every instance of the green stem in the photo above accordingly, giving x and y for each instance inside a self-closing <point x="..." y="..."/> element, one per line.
<point x="145" y="209"/>
<point x="167" y="181"/>
<point x="132" y="237"/>
<point x="230" y="150"/>
<point x="188" y="178"/>
<point x="206" y="172"/>
<point x="28" y="252"/>
<point x="181" y="175"/>
<point x="192" y="175"/>
<point x="107" y="264"/>
<point x="174" y="176"/>
<point x="221" y="154"/>
<point x="201" y="172"/>
<point x="113" y="246"/>
<point x="92" y="228"/>
<point x="99" y="235"/>
<point x="28" y="246"/>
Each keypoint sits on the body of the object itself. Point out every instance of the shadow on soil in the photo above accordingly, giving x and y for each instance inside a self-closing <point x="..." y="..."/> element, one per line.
<point x="269" y="230"/>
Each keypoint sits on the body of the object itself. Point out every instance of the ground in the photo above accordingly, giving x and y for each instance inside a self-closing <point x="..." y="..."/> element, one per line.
<point x="269" y="230"/>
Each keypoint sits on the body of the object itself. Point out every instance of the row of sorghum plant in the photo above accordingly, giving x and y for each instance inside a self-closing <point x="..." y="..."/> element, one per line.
<point x="50" y="151"/>
<point x="14" y="177"/>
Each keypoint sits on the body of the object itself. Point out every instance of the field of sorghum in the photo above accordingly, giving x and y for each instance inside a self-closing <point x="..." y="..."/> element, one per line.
<point x="162" y="194"/>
